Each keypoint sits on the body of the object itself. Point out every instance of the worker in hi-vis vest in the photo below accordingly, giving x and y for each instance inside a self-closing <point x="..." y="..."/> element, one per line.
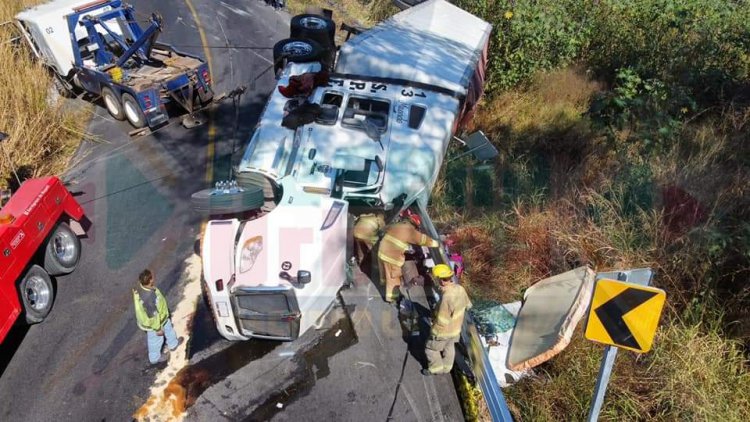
<point x="152" y="315"/>
<point x="391" y="251"/>
<point x="366" y="233"/>
<point x="447" y="323"/>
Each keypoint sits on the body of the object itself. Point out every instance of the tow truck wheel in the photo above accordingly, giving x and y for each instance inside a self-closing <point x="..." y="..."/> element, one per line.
<point x="63" y="87"/>
<point x="37" y="294"/>
<point x="63" y="251"/>
<point x="133" y="111"/>
<point x="112" y="102"/>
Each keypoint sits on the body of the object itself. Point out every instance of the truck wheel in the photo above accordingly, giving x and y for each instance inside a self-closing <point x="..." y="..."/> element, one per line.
<point x="314" y="27"/>
<point x="63" y="251"/>
<point x="37" y="294"/>
<point x="296" y="50"/>
<point x="133" y="111"/>
<point x="112" y="102"/>
<point x="63" y="87"/>
<point x="208" y="201"/>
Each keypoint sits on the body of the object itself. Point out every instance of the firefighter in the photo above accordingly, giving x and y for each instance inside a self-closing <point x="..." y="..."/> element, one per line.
<point x="152" y="315"/>
<point x="392" y="248"/>
<point x="446" y="326"/>
<point x="367" y="230"/>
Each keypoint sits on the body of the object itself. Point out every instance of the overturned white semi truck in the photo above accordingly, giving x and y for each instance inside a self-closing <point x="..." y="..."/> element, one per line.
<point x="373" y="136"/>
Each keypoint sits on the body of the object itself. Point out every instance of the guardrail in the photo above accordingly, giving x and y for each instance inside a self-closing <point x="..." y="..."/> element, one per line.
<point x="480" y="362"/>
<point x="484" y="374"/>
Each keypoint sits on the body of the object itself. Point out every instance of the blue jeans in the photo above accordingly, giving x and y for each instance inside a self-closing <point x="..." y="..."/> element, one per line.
<point x="156" y="342"/>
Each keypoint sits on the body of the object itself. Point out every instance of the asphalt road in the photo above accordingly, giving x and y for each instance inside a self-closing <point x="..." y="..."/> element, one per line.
<point x="87" y="360"/>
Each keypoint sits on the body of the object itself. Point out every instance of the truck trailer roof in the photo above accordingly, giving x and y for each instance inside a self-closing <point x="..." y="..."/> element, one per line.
<point x="434" y="43"/>
<point x="389" y="110"/>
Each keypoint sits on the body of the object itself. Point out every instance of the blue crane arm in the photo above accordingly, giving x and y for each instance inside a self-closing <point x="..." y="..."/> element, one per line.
<point x="146" y="40"/>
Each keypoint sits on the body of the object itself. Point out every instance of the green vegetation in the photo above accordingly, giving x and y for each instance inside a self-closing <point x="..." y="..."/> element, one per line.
<point x="44" y="135"/>
<point x="623" y="131"/>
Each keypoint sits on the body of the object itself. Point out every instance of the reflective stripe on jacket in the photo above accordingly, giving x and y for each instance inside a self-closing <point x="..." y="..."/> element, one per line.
<point x="148" y="322"/>
<point x="397" y="239"/>
<point x="367" y="227"/>
<point x="449" y="317"/>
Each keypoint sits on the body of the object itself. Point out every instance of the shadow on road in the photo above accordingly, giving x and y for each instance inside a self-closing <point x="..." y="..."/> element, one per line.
<point x="11" y="343"/>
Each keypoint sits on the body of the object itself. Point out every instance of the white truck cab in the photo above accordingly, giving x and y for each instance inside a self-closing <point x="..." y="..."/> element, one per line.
<point x="377" y="139"/>
<point x="262" y="272"/>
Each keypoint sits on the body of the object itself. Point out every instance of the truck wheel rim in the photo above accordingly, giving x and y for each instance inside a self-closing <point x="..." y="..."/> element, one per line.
<point x="131" y="112"/>
<point x="37" y="293"/>
<point x="111" y="104"/>
<point x="64" y="247"/>
<point x="313" y="22"/>
<point x="297" y="48"/>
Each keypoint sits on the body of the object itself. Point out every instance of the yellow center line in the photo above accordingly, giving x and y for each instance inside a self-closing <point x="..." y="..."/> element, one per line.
<point x="210" y="150"/>
<point x="168" y="399"/>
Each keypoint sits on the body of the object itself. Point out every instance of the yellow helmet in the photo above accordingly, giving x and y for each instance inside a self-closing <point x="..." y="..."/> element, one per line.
<point x="442" y="271"/>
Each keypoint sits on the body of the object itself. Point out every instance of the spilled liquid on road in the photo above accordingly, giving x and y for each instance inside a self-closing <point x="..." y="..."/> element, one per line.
<point x="191" y="381"/>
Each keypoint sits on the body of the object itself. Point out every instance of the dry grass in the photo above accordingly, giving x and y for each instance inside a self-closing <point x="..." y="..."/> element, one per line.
<point x="43" y="135"/>
<point x="694" y="374"/>
<point x="565" y="198"/>
<point x="352" y="12"/>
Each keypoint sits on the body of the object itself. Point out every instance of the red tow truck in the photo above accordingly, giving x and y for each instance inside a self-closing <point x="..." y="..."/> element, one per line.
<point x="36" y="242"/>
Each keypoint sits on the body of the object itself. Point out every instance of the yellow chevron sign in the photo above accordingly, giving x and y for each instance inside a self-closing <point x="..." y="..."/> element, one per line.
<point x="625" y="315"/>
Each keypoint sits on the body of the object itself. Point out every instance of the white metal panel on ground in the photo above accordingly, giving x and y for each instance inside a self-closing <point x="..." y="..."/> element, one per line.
<point x="550" y="312"/>
<point x="434" y="43"/>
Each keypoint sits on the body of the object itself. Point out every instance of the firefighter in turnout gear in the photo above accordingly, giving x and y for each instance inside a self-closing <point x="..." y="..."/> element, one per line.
<point x="392" y="248"/>
<point x="446" y="327"/>
<point x="366" y="233"/>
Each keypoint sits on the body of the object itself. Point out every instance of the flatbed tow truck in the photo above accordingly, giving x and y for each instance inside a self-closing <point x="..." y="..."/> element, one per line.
<point x="98" y="47"/>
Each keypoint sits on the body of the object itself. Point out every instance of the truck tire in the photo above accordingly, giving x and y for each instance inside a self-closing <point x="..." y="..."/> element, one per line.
<point x="62" y="252"/>
<point x="133" y="111"/>
<point x="209" y="202"/>
<point x="296" y="50"/>
<point x="37" y="294"/>
<point x="63" y="87"/>
<point x="313" y="27"/>
<point x="112" y="102"/>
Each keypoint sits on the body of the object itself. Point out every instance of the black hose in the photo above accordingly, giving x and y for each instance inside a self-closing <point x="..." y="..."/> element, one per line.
<point x="406" y="357"/>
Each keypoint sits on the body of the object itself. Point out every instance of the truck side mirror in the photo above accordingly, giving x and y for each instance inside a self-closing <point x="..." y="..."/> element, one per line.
<point x="304" y="277"/>
<point x="479" y="146"/>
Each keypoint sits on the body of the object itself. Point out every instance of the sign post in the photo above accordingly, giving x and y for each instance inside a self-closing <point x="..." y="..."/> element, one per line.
<point x="624" y="313"/>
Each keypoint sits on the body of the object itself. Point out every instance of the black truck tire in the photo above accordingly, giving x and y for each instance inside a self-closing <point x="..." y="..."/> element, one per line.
<point x="296" y="50"/>
<point x="313" y="27"/>
<point x="37" y="294"/>
<point x="63" y="86"/>
<point x="63" y="250"/>
<point x="133" y="111"/>
<point x="112" y="103"/>
<point x="208" y="202"/>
